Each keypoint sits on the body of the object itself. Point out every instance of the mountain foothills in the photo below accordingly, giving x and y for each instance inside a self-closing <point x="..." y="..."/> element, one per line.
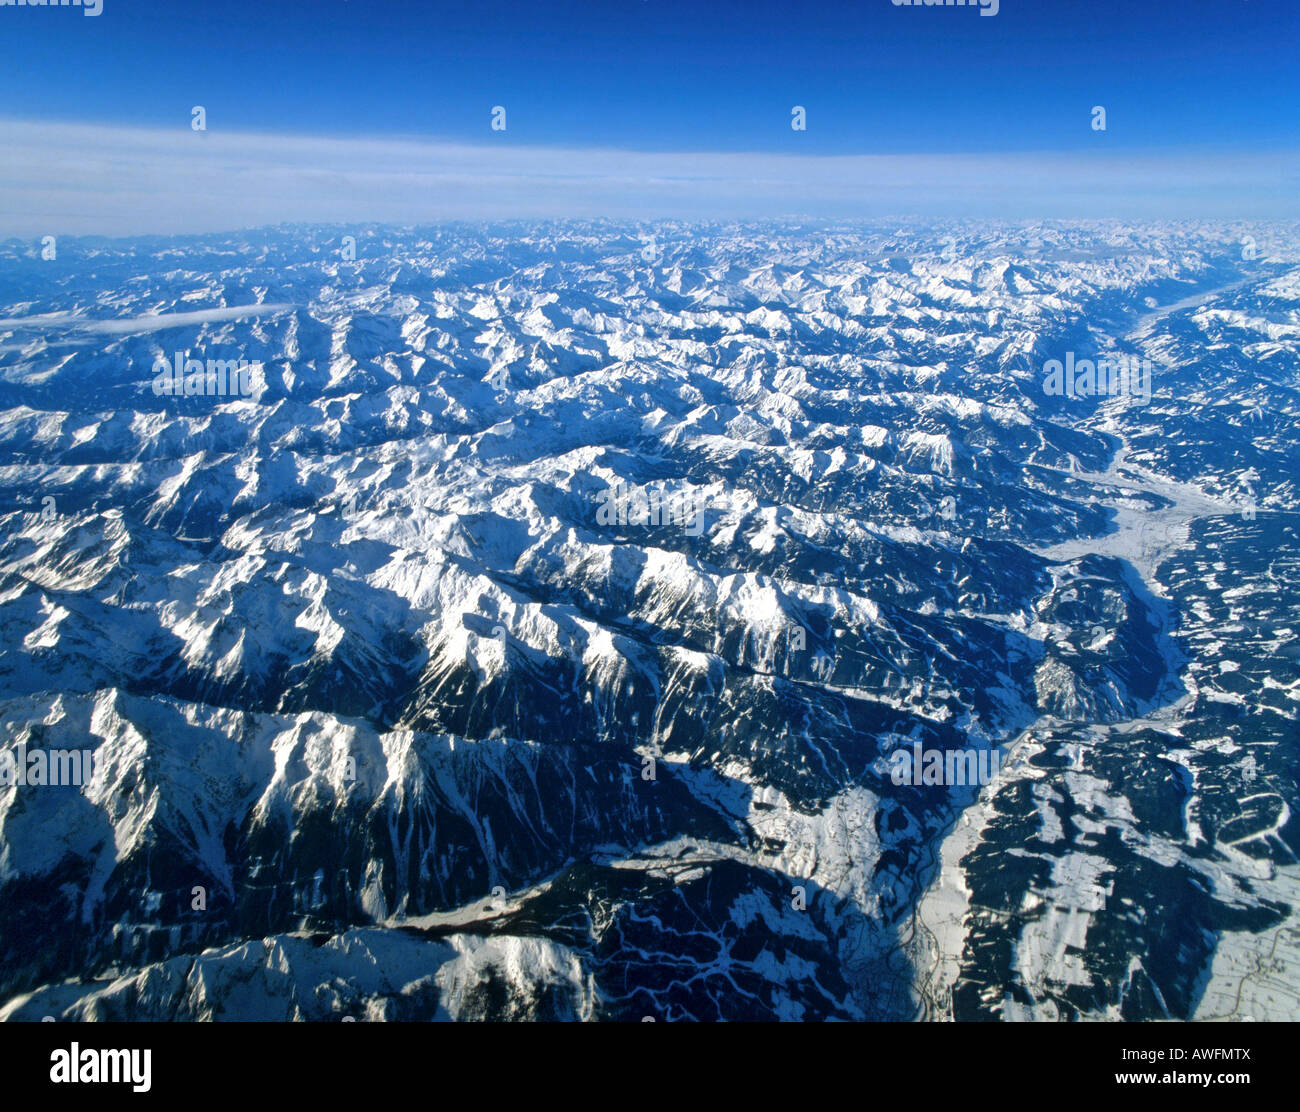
<point x="392" y="720"/>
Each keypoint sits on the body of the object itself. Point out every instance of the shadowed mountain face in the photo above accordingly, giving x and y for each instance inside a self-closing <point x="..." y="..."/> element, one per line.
<point x="570" y="624"/>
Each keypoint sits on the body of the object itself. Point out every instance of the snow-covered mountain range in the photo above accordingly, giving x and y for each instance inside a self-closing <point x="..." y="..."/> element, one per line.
<point x="394" y="722"/>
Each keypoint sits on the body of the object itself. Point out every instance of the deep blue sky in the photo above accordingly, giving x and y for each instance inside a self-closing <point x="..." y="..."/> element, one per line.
<point x="665" y="75"/>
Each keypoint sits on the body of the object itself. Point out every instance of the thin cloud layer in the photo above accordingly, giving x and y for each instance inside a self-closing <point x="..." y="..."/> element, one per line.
<point x="152" y="322"/>
<point x="84" y="180"/>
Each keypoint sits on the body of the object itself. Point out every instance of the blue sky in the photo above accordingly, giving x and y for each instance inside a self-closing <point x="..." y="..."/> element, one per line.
<point x="1213" y="80"/>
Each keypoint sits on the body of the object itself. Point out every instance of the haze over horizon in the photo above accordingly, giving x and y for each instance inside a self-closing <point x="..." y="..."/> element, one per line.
<point x="645" y="112"/>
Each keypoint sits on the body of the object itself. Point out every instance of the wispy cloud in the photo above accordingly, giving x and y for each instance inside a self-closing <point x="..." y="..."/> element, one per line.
<point x="80" y="179"/>
<point x="152" y="322"/>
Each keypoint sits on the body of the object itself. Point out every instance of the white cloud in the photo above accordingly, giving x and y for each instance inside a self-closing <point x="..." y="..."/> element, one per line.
<point x="83" y="179"/>
<point x="151" y="322"/>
